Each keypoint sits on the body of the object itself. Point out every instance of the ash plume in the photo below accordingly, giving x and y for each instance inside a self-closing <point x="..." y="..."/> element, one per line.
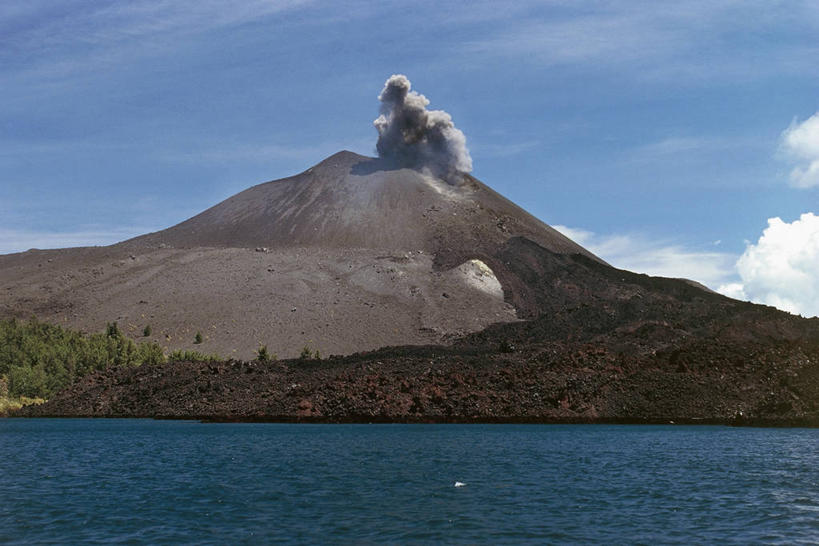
<point x="415" y="137"/>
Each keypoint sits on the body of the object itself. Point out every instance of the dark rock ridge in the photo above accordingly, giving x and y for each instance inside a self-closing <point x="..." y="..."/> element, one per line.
<point x="603" y="345"/>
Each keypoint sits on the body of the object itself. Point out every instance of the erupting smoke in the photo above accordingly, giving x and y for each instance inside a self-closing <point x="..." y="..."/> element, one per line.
<point x="415" y="137"/>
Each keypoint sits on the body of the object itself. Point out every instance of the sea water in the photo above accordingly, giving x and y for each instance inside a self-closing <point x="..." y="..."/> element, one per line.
<point x="143" y="481"/>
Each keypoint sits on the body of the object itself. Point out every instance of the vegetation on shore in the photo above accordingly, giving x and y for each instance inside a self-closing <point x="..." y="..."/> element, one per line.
<point x="9" y="404"/>
<point x="192" y="356"/>
<point x="38" y="359"/>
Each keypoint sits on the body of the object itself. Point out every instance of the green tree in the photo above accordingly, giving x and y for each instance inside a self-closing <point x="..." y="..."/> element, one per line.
<point x="112" y="330"/>
<point x="192" y="356"/>
<point x="150" y="354"/>
<point x="262" y="355"/>
<point x="39" y="359"/>
<point x="147" y="331"/>
<point x="198" y="338"/>
<point x="25" y="381"/>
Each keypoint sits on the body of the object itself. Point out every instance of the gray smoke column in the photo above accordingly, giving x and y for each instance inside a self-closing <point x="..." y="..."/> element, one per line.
<point x="415" y="137"/>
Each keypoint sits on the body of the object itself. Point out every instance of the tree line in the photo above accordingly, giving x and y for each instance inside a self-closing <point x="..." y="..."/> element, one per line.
<point x="39" y="359"/>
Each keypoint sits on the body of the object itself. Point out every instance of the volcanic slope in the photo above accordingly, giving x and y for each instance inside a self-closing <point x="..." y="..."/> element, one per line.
<point x="350" y="255"/>
<point x="351" y="201"/>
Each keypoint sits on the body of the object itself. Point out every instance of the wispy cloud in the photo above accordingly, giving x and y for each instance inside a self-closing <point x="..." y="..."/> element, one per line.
<point x="676" y="150"/>
<point x="229" y="152"/>
<point x="503" y="149"/>
<point x="15" y="149"/>
<point x="656" y="257"/>
<point x="50" y="42"/>
<point x="21" y="240"/>
<point x="198" y="151"/>
<point x="582" y="38"/>
<point x="690" y="40"/>
<point x="688" y="146"/>
<point x="106" y="22"/>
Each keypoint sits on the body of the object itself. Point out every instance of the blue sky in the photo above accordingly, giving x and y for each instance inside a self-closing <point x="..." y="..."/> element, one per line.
<point x="663" y="136"/>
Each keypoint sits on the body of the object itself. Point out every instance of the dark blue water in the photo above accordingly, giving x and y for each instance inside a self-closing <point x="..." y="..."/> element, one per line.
<point x="142" y="481"/>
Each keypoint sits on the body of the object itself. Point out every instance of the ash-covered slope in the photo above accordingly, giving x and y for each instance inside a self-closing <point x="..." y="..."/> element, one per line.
<point x="352" y="201"/>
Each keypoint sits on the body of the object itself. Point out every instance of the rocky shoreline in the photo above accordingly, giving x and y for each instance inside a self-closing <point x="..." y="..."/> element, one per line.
<point x="555" y="382"/>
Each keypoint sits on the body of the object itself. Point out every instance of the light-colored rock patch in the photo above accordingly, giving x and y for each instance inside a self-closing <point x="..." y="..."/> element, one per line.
<point x="480" y="276"/>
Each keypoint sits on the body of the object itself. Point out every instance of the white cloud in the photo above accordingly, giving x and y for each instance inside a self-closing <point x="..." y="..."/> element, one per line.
<point x="105" y="23"/>
<point x="800" y="142"/>
<point x="48" y="44"/>
<point x="782" y="268"/>
<point x="679" y="42"/>
<point x="733" y="290"/>
<point x="691" y="147"/>
<point x="658" y="258"/>
<point x="606" y="36"/>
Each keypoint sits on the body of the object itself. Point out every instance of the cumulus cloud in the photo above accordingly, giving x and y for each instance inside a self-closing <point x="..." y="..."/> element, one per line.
<point x="800" y="142"/>
<point x="415" y="137"/>
<point x="782" y="268"/>
<point x="659" y="258"/>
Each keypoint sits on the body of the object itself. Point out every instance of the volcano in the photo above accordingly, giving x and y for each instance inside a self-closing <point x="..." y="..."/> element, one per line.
<point x="352" y="254"/>
<point x="450" y="303"/>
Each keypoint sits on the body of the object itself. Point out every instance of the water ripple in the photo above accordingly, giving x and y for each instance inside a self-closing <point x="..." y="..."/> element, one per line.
<point x="142" y="481"/>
